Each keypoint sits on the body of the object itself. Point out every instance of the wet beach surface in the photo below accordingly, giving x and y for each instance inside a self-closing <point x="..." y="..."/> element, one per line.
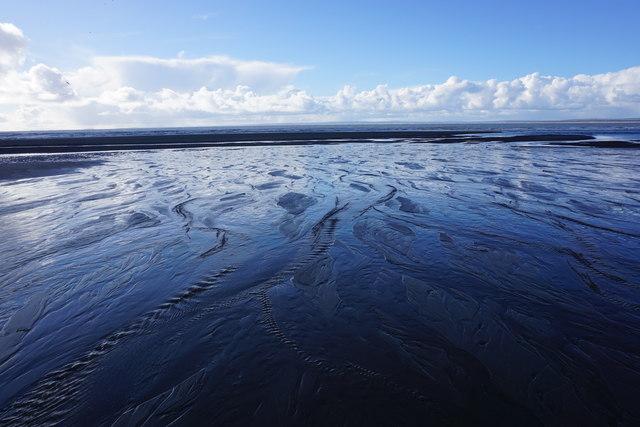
<point x="401" y="283"/>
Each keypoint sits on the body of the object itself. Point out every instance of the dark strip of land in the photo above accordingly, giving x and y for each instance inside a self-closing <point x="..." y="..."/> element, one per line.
<point x="184" y="141"/>
<point x="600" y="144"/>
<point x="152" y="142"/>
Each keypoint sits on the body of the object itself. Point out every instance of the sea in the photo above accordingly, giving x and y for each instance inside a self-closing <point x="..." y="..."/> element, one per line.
<point x="362" y="283"/>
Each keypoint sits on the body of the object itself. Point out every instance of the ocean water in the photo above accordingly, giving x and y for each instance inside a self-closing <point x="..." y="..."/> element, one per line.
<point x="351" y="284"/>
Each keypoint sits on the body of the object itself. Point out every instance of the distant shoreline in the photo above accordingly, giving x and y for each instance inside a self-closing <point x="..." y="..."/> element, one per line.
<point x="253" y="139"/>
<point x="249" y="127"/>
<point x="205" y="140"/>
<point x="37" y="143"/>
<point x="586" y="121"/>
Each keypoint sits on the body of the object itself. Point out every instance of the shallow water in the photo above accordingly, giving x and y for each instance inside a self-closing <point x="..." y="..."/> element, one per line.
<point x="323" y="285"/>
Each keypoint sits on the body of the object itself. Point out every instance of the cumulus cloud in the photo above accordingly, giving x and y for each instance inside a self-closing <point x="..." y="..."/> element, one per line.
<point x="582" y="94"/>
<point x="13" y="47"/>
<point x="39" y="84"/>
<point x="148" y="91"/>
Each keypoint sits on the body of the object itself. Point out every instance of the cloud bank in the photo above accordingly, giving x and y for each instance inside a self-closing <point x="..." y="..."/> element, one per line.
<point x="218" y="90"/>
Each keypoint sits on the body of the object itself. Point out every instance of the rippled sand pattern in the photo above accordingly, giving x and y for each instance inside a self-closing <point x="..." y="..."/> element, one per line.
<point x="396" y="284"/>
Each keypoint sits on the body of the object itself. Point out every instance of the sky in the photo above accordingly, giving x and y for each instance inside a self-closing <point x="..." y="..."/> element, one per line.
<point x="70" y="64"/>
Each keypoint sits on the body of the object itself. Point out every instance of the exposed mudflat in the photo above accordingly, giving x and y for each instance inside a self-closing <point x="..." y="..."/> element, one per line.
<point x="401" y="284"/>
<point x="121" y="142"/>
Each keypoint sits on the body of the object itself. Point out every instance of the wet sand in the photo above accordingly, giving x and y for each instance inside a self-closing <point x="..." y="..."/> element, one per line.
<point x="329" y="284"/>
<point x="21" y="168"/>
<point x="600" y="144"/>
<point x="257" y="139"/>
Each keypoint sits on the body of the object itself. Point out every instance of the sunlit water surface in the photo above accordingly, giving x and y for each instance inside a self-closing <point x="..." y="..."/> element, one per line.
<point x="323" y="285"/>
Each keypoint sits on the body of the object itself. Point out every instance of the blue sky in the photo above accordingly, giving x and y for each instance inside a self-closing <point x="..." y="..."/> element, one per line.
<point x="332" y="45"/>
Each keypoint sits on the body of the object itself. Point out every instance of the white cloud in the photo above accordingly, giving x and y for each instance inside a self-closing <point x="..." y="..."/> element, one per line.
<point x="48" y="84"/>
<point x="148" y="91"/>
<point x="40" y="84"/>
<point x="602" y="95"/>
<point x="13" y="47"/>
<point x="151" y="74"/>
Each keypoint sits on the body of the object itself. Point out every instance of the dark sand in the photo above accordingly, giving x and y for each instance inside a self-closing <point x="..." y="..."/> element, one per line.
<point x="32" y="168"/>
<point x="257" y="139"/>
<point x="600" y="144"/>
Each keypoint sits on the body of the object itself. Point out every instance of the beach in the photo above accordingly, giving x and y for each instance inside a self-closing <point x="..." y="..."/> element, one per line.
<point x="328" y="276"/>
